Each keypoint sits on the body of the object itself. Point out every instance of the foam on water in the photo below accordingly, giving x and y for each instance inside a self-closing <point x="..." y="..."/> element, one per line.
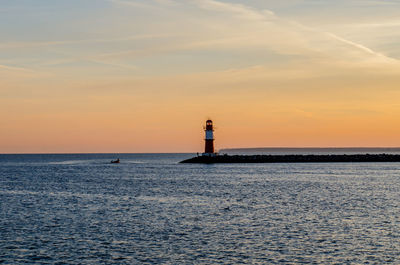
<point x="159" y="211"/>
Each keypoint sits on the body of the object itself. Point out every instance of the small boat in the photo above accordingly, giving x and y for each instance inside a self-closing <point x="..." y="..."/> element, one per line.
<point x="115" y="161"/>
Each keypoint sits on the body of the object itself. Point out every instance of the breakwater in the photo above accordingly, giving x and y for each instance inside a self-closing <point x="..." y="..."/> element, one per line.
<point x="356" y="158"/>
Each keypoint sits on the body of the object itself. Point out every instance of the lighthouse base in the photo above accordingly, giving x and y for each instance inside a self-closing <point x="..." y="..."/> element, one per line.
<point x="209" y="154"/>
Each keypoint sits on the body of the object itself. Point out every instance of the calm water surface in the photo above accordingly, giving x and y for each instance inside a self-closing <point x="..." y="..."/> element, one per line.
<point x="79" y="209"/>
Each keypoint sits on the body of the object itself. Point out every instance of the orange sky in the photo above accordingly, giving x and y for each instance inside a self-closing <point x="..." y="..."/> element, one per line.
<point x="266" y="76"/>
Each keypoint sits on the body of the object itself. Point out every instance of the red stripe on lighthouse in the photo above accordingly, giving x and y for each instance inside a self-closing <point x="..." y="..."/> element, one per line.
<point x="209" y="146"/>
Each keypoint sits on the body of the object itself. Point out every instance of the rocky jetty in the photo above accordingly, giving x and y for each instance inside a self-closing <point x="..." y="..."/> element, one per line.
<point x="357" y="158"/>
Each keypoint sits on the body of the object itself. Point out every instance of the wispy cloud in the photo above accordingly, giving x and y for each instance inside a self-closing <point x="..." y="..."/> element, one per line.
<point x="362" y="48"/>
<point x="14" y="68"/>
<point x="144" y="4"/>
<point x="238" y="9"/>
<point x="131" y="3"/>
<point x="381" y="24"/>
<point x="17" y="45"/>
<point x="205" y="26"/>
<point x="297" y="32"/>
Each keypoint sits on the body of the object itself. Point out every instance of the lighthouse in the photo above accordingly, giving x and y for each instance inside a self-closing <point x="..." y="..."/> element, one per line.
<point x="209" y="146"/>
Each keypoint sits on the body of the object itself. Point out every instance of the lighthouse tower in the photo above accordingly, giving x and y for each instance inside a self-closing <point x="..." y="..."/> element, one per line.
<point x="209" y="147"/>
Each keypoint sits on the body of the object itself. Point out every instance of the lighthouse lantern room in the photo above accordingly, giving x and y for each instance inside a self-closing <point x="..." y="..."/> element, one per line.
<point x="209" y="140"/>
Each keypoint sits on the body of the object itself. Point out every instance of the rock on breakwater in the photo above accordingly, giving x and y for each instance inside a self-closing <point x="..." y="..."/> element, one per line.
<point x="357" y="158"/>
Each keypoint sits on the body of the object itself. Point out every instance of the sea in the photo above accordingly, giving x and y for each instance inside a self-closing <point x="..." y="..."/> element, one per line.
<point x="149" y="209"/>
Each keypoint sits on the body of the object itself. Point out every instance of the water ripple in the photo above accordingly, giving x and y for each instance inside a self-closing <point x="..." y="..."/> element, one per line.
<point x="160" y="212"/>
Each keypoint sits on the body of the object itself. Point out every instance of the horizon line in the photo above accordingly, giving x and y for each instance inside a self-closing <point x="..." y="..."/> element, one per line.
<point x="194" y="152"/>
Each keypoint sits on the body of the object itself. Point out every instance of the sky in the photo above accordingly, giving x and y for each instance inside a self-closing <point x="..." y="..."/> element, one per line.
<point x="144" y="75"/>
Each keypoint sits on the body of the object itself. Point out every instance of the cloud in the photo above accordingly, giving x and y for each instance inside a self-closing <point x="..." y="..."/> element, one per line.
<point x="14" y="69"/>
<point x="364" y="49"/>
<point x="18" y="45"/>
<point x="291" y="35"/>
<point x="204" y="26"/>
<point x="131" y="3"/>
<point x="144" y="4"/>
<point x="241" y="10"/>
<point x="382" y="24"/>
